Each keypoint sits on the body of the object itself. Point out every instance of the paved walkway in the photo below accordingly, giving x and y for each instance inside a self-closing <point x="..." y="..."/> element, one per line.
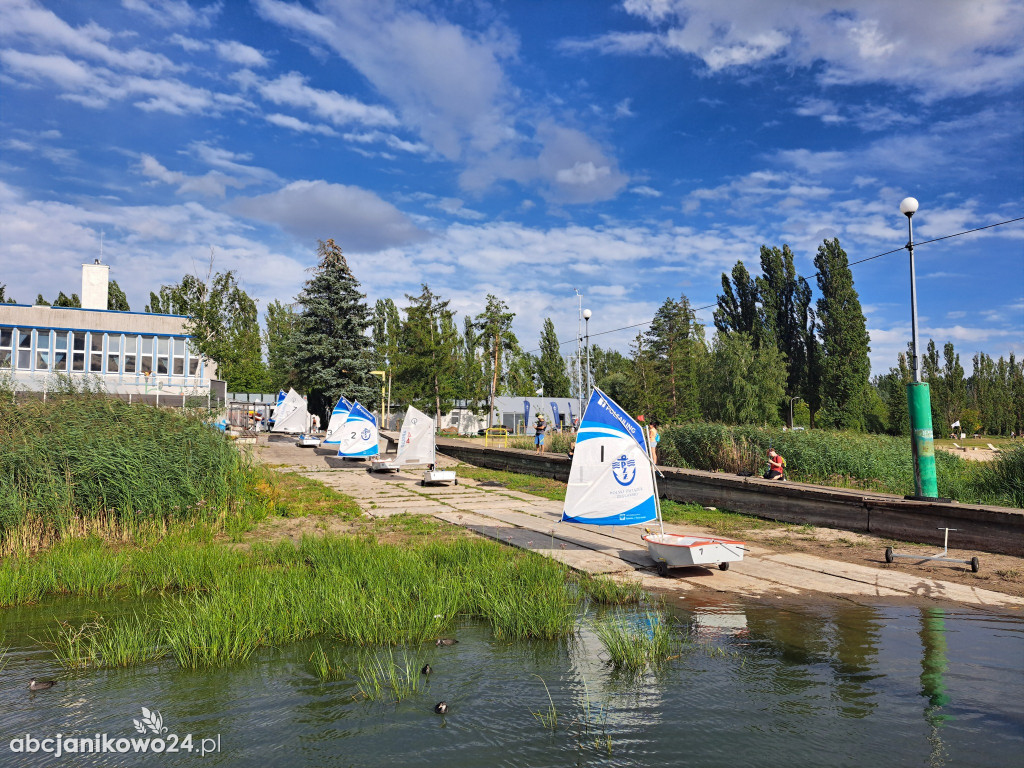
<point x="531" y="522"/>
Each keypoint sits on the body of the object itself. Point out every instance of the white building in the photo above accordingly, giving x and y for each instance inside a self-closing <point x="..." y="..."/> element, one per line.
<point x="139" y="355"/>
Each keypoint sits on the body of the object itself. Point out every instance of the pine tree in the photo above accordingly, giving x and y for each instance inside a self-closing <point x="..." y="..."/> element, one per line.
<point x="332" y="352"/>
<point x="551" y="368"/>
<point x="844" y="340"/>
<point x="428" y="368"/>
<point x="494" y="325"/>
<point x="116" y="298"/>
<point x="675" y="346"/>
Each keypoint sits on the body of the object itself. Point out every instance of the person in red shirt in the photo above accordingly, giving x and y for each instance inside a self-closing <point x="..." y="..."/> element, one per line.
<point x="776" y="467"/>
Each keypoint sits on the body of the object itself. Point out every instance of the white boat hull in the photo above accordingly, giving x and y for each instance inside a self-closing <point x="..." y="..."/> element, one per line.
<point x="381" y="465"/>
<point x="439" y="476"/>
<point x="671" y="550"/>
<point x="308" y="441"/>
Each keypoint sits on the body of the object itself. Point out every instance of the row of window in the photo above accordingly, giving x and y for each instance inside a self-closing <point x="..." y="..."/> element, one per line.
<point x="43" y="350"/>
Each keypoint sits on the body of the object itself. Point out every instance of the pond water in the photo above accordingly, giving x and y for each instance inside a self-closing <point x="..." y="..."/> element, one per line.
<point x="822" y="685"/>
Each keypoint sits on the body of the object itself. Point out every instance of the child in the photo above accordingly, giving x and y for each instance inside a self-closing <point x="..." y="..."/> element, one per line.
<point x="776" y="467"/>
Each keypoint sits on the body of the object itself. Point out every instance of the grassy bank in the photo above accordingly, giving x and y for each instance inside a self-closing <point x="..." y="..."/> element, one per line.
<point x="842" y="459"/>
<point x="82" y="464"/>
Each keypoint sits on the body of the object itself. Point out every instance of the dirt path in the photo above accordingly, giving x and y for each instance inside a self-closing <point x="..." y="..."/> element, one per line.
<point x="781" y="561"/>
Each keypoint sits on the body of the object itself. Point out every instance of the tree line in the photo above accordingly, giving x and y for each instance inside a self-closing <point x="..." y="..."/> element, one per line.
<point x="775" y="351"/>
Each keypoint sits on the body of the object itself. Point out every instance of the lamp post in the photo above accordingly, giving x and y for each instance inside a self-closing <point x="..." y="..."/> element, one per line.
<point x="382" y="392"/>
<point x="791" y="410"/>
<point x="586" y="318"/>
<point x="918" y="397"/>
<point x="579" y="353"/>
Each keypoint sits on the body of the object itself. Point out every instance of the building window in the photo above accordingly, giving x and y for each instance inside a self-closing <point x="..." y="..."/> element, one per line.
<point x="24" y="350"/>
<point x="78" y="353"/>
<point x="162" y="352"/>
<point x="113" y="354"/>
<point x="131" y="345"/>
<point x="6" y="347"/>
<point x="96" y="352"/>
<point x="60" y="351"/>
<point x="146" y="363"/>
<point x="42" y="350"/>
<point x="179" y="358"/>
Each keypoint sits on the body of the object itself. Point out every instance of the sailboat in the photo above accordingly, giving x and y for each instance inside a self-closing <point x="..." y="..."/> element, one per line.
<point x="332" y="438"/>
<point x="612" y="482"/>
<point x="290" y="414"/>
<point x="417" y="445"/>
<point x="359" y="438"/>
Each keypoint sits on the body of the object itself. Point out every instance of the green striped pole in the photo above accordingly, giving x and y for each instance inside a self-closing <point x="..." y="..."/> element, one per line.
<point x="919" y="403"/>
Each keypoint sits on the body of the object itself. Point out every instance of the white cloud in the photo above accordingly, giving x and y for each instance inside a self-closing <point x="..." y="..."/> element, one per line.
<point x="934" y="49"/>
<point x="293" y="123"/>
<point x="645" y="191"/>
<point x="358" y="219"/>
<point x="239" y="53"/>
<point x="291" y="89"/>
<point x="212" y="184"/>
<point x="174" y="13"/>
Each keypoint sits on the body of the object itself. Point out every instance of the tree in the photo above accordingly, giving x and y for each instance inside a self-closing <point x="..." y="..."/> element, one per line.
<point x="675" y="345"/>
<point x="41" y="302"/>
<point x="471" y="380"/>
<point x="954" y="386"/>
<point x="4" y="298"/>
<point x="116" y="298"/>
<point x="279" y="340"/>
<point x="551" y="368"/>
<point x="494" y="325"/>
<point x="428" y="368"/>
<point x="737" y="305"/>
<point x="785" y="314"/>
<point x="386" y="329"/>
<point x="332" y="352"/>
<point x="63" y="300"/>
<point x="746" y="383"/>
<point x="844" y="340"/>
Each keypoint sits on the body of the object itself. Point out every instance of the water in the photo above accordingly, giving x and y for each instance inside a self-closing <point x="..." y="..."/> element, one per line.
<point x="827" y="685"/>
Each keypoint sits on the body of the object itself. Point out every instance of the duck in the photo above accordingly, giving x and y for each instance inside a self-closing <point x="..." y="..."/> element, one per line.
<point x="446" y="641"/>
<point x="426" y="669"/>
<point x="441" y="707"/>
<point x="41" y="685"/>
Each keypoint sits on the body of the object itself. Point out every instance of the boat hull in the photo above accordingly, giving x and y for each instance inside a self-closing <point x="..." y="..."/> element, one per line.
<point x="671" y="550"/>
<point x="439" y="476"/>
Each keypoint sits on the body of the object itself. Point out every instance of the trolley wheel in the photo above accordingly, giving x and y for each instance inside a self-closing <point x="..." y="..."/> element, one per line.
<point x="456" y="481"/>
<point x="723" y="566"/>
<point x="888" y="555"/>
<point x="663" y="569"/>
<point x="975" y="565"/>
<point x="423" y="482"/>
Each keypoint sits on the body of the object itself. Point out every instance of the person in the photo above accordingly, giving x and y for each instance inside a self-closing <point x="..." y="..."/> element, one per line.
<point x="315" y="423"/>
<point x="575" y="423"/>
<point x="538" y="429"/>
<point x="653" y="438"/>
<point x="776" y="466"/>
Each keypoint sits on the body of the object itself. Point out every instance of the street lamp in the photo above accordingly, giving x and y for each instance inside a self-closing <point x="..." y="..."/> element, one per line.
<point x="586" y="317"/>
<point x="791" y="410"/>
<point x="381" y="374"/>
<point x="926" y="486"/>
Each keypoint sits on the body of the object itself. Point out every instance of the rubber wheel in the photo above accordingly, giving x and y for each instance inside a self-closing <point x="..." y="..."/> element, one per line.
<point x="723" y="566"/>
<point x="423" y="482"/>
<point x="975" y="565"/>
<point x="888" y="555"/>
<point x="456" y="482"/>
<point x="663" y="569"/>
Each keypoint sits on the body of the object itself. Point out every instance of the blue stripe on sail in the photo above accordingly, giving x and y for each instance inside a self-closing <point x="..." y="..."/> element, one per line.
<point x="371" y="451"/>
<point x="592" y="433"/>
<point x="644" y="512"/>
<point x="604" y="412"/>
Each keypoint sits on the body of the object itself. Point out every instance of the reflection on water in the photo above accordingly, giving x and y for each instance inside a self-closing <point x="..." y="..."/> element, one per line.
<point x="841" y="685"/>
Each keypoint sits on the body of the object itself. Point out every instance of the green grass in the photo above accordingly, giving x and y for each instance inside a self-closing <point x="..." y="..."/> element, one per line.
<point x="720" y="522"/>
<point x="606" y="591"/>
<point x="300" y="496"/>
<point x="554" y="442"/>
<point x="544" y="487"/>
<point x="635" y="643"/>
<point x="382" y="675"/>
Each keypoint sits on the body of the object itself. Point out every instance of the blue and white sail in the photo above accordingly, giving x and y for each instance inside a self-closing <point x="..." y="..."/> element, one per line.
<point x="339" y="415"/>
<point x="359" y="435"/>
<point x="291" y="415"/>
<point x="611" y="481"/>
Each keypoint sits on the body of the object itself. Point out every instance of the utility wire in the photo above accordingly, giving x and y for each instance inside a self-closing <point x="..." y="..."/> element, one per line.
<point x="852" y="263"/>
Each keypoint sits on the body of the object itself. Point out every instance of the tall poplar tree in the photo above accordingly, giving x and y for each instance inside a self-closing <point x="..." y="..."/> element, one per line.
<point x="494" y="325"/>
<point x="844" y="341"/>
<point x="332" y="351"/>
<point x="554" y="376"/>
<point x="279" y="340"/>
<point x="737" y="304"/>
<point x="116" y="298"/>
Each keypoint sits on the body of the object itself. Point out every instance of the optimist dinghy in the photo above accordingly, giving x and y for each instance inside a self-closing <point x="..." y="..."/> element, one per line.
<point x="612" y="482"/>
<point x="332" y="438"/>
<point x="359" y="434"/>
<point x="416" y="445"/>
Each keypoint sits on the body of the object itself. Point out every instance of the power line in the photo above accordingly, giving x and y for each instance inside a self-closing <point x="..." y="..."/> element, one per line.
<point x="852" y="263"/>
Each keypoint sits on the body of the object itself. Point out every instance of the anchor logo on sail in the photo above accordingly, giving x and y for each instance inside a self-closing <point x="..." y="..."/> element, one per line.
<point x="365" y="434"/>
<point x="624" y="470"/>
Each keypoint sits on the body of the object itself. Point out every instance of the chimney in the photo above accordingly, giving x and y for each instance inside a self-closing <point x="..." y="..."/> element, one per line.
<point x="95" y="278"/>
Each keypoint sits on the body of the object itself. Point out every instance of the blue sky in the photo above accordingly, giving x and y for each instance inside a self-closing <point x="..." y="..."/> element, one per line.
<point x="631" y="150"/>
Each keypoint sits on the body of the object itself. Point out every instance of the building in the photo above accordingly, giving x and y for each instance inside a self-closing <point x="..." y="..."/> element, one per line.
<point x="139" y="356"/>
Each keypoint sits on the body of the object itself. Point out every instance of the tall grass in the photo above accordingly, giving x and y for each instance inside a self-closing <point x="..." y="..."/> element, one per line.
<point x="85" y="457"/>
<point x="841" y="459"/>
<point x="633" y="642"/>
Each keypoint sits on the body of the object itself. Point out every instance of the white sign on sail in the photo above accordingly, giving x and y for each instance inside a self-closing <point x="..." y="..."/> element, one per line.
<point x="611" y="480"/>
<point x="359" y="435"/>
<point x="416" y="441"/>
<point x="334" y="427"/>
<point x="291" y="415"/>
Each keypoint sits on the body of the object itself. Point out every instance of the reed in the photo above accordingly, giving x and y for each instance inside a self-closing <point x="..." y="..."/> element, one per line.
<point x="121" y="642"/>
<point x="547" y="717"/>
<point x="606" y="591"/>
<point x="381" y="674"/>
<point x="327" y="667"/>
<point x="635" y="643"/>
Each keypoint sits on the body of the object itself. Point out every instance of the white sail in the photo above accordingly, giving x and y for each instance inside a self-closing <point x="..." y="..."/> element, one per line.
<point x="359" y="435"/>
<point x="416" y="441"/>
<point x="611" y="480"/>
<point x="340" y="413"/>
<point x="291" y="414"/>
